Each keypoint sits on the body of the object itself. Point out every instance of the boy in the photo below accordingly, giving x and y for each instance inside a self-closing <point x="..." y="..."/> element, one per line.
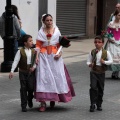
<point x="23" y="59"/>
<point x="98" y="60"/>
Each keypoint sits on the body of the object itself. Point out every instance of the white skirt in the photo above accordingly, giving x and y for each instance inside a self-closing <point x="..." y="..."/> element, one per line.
<point x="50" y="75"/>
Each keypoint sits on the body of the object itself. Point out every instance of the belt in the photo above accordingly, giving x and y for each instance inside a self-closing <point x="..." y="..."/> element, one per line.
<point x="27" y="70"/>
<point x="49" y="49"/>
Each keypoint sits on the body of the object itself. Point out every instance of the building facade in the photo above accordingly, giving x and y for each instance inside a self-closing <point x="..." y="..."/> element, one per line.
<point x="73" y="17"/>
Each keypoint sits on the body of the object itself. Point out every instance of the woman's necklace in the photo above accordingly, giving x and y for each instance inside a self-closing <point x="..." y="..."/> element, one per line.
<point x="49" y="35"/>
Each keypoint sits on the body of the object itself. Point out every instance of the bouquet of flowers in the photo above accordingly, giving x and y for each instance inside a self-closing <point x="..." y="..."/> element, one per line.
<point x="106" y="34"/>
<point x="64" y="42"/>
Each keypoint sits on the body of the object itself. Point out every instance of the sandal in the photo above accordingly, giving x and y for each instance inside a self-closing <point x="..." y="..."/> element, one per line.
<point x="42" y="107"/>
<point x="52" y="104"/>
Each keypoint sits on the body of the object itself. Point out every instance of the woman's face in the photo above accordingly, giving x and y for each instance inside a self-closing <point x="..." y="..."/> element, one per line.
<point x="48" y="22"/>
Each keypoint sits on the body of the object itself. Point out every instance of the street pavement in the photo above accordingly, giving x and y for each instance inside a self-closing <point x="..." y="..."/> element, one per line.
<point x="78" y="109"/>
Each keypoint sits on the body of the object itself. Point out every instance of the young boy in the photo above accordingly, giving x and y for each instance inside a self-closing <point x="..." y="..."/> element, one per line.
<point x="23" y="60"/>
<point x="98" y="60"/>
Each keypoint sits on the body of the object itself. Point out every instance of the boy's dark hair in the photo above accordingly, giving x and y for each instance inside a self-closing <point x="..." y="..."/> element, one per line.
<point x="25" y="38"/>
<point x="100" y="38"/>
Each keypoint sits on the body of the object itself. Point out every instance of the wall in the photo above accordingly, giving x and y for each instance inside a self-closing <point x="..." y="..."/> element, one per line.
<point x="91" y="17"/>
<point x="52" y="8"/>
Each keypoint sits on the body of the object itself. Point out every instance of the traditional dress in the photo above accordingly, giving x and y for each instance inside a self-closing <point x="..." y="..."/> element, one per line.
<point x="53" y="82"/>
<point x="114" y="47"/>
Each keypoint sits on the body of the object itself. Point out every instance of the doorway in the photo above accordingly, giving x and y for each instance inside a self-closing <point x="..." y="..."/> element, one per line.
<point x="100" y="8"/>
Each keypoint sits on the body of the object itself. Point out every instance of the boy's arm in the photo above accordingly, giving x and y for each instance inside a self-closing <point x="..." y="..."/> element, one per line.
<point x="89" y="59"/>
<point x="15" y="63"/>
<point x="16" y="60"/>
<point x="109" y="59"/>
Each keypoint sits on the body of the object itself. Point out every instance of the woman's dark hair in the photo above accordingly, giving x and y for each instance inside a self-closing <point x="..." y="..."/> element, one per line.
<point x="100" y="38"/>
<point x="15" y="11"/>
<point x="44" y="17"/>
<point x="116" y="12"/>
<point x="25" y="38"/>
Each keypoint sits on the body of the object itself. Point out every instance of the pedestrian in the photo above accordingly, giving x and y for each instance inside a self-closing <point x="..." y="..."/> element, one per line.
<point x="53" y="82"/>
<point x="113" y="44"/>
<point x="16" y="29"/>
<point x="98" y="60"/>
<point x="117" y="7"/>
<point x="24" y="60"/>
<point x="22" y="32"/>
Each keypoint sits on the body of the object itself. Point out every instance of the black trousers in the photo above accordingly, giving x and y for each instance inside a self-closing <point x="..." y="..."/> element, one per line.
<point x="26" y="87"/>
<point x="97" y="82"/>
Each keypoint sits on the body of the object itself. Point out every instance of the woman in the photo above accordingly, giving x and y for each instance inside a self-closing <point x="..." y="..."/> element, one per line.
<point x="114" y="44"/>
<point x="22" y="33"/>
<point x="52" y="79"/>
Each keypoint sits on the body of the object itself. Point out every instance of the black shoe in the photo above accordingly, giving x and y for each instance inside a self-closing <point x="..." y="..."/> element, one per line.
<point x="113" y="76"/>
<point x="30" y="104"/>
<point x="52" y="104"/>
<point x="92" y="108"/>
<point x="24" y="109"/>
<point x="99" y="108"/>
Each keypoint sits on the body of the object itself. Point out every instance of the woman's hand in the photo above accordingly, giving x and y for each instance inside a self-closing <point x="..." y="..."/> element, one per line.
<point x="37" y="60"/>
<point x="57" y="56"/>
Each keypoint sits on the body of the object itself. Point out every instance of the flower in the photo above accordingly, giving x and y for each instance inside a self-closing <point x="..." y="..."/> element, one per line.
<point x="49" y="35"/>
<point x="96" y="51"/>
<point x="106" y="34"/>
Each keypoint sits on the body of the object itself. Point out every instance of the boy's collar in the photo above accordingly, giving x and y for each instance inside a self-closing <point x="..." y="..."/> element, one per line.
<point x="26" y="48"/>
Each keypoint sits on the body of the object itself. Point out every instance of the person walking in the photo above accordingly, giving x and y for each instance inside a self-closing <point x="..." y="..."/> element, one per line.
<point x="113" y="44"/>
<point x="16" y="29"/>
<point x="97" y="60"/>
<point x="25" y="60"/>
<point x="53" y="82"/>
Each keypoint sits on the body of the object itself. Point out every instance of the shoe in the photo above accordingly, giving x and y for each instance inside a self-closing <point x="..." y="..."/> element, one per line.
<point x="30" y="104"/>
<point x="113" y="76"/>
<point x="92" y="108"/>
<point x="52" y="104"/>
<point x="99" y="108"/>
<point x="42" y="107"/>
<point x="24" y="109"/>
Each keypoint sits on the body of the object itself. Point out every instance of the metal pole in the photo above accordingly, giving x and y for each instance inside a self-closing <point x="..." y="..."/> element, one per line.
<point x="9" y="51"/>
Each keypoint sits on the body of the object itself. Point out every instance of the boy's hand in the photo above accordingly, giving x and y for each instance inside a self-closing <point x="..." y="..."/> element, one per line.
<point x="102" y="61"/>
<point x="91" y="65"/>
<point x="32" y="69"/>
<point x="10" y="75"/>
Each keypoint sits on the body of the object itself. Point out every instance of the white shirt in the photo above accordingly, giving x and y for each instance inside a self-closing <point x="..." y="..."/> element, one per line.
<point x="17" y="59"/>
<point x="98" y="58"/>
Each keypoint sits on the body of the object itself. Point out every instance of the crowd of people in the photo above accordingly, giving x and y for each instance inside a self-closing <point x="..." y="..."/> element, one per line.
<point x="42" y="72"/>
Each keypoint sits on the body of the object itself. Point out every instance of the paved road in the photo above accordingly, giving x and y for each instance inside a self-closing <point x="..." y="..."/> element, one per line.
<point x="77" y="109"/>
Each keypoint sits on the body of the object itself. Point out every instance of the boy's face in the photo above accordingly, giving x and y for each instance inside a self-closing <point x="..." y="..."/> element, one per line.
<point x="29" y="43"/>
<point x="98" y="44"/>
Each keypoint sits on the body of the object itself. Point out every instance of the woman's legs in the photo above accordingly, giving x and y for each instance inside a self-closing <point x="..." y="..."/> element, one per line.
<point x="52" y="104"/>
